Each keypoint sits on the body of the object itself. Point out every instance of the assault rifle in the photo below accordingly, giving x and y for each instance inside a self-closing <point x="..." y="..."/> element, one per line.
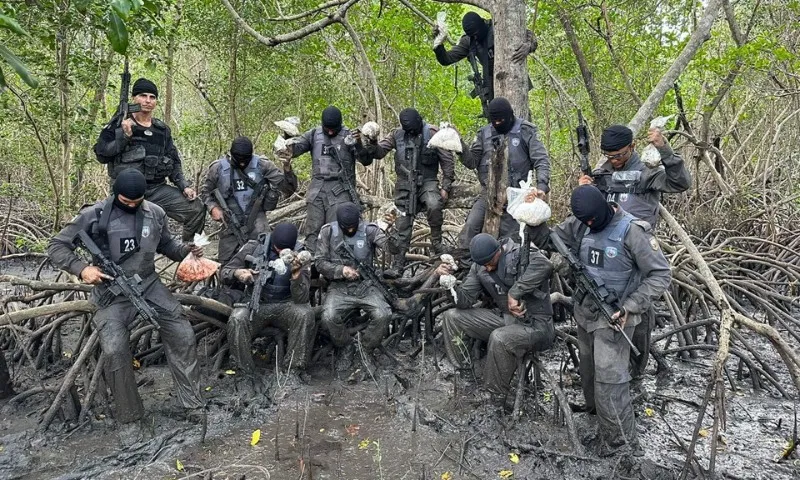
<point x="230" y="218"/>
<point x="481" y="90"/>
<point x="582" y="133"/>
<point x="265" y="269"/>
<point x="345" y="176"/>
<point x="125" y="109"/>
<point x="413" y="177"/>
<point x="121" y="284"/>
<point x="367" y="272"/>
<point x="606" y="300"/>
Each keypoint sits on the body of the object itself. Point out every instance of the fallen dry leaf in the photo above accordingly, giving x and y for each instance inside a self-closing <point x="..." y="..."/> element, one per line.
<point x="352" y="430"/>
<point x="255" y="437"/>
<point x="513" y="457"/>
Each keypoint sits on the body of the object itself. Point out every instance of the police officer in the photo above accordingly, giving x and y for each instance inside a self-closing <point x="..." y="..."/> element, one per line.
<point x="520" y="319"/>
<point x="526" y="153"/>
<point x="131" y="231"/>
<point x="251" y="186"/>
<point x="284" y="301"/>
<point x="620" y="251"/>
<point x="145" y="143"/>
<point x="348" y="291"/>
<point x="413" y="158"/>
<point x="477" y="44"/>
<point x="334" y="151"/>
<point x="637" y="188"/>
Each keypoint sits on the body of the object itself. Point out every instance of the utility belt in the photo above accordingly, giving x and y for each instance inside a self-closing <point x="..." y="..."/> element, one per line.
<point x="356" y="288"/>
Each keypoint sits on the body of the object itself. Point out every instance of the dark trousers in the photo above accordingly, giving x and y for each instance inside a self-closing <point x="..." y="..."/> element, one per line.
<point x="189" y="213"/>
<point x="321" y="210"/>
<point x="339" y="304"/>
<point x="430" y="201"/>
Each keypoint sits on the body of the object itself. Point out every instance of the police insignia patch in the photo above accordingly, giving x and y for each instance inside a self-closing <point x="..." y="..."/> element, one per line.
<point x="145" y="231"/>
<point x="360" y="244"/>
<point x="653" y="243"/>
<point x="252" y="176"/>
<point x="611" y="252"/>
<point x="515" y="142"/>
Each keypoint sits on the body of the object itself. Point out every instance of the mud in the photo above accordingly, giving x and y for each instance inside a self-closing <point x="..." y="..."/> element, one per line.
<point x="326" y="427"/>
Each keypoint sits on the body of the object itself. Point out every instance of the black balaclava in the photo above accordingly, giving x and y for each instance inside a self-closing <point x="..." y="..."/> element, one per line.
<point x="411" y="121"/>
<point x="242" y="151"/>
<point x="500" y="111"/>
<point x="131" y="184"/>
<point x="474" y="26"/>
<point x="144" y="85"/>
<point x="284" y="235"/>
<point x="615" y="137"/>
<point x="348" y="215"/>
<point x="332" y="120"/>
<point x="482" y="248"/>
<point x="589" y="203"/>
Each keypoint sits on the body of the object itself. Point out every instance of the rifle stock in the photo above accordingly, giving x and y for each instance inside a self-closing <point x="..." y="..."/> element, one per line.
<point x="230" y="218"/>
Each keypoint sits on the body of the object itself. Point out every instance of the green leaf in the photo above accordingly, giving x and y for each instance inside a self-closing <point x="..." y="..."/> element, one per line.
<point x="122" y="7"/>
<point x="11" y="24"/>
<point x="117" y="33"/>
<point x="2" y="81"/>
<point x="18" y="66"/>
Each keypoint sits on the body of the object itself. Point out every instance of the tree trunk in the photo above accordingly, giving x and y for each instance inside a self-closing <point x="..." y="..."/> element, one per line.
<point x="583" y="64"/>
<point x="62" y="57"/>
<point x="169" y="98"/>
<point x="5" y="379"/>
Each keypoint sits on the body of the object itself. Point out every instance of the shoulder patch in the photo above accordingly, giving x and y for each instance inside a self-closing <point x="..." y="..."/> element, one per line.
<point x="644" y="224"/>
<point x="654" y="244"/>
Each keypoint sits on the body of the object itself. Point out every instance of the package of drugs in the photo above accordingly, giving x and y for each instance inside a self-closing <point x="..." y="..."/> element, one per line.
<point x="371" y="131"/>
<point x="650" y="155"/>
<point x="447" y="138"/>
<point x="195" y="269"/>
<point x="289" y="126"/>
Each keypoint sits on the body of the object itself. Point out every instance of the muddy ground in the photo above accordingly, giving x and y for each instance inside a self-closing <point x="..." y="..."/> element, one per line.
<point x="329" y="427"/>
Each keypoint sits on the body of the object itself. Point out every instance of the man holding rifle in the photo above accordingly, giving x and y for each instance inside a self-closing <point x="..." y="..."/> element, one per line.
<point x="238" y="190"/>
<point x="627" y="271"/>
<point x="129" y="231"/>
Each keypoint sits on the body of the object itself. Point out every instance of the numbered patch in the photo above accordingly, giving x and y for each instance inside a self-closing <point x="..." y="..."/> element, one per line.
<point x="596" y="257"/>
<point x="239" y="185"/>
<point x="127" y="244"/>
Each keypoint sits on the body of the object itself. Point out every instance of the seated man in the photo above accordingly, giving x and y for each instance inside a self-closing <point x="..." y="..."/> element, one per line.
<point x="283" y="304"/>
<point x="340" y="243"/>
<point x="521" y="319"/>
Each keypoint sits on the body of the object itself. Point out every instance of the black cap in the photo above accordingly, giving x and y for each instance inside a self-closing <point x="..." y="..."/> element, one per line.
<point x="144" y="85"/>
<point x="474" y="25"/>
<point x="616" y="137"/>
<point x="332" y="118"/>
<point x="589" y="204"/>
<point x="284" y="235"/>
<point x="348" y="215"/>
<point x="242" y="149"/>
<point x="500" y="111"/>
<point x="411" y="121"/>
<point x="130" y="183"/>
<point x="482" y="248"/>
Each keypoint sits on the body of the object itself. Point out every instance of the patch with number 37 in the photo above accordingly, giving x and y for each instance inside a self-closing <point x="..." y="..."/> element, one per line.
<point x="596" y="256"/>
<point x="127" y="244"/>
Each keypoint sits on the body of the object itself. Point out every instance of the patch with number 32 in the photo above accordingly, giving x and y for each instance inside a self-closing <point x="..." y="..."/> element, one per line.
<point x="127" y="244"/>
<point x="596" y="256"/>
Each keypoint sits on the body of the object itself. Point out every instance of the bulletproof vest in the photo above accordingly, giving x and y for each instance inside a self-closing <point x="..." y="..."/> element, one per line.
<point x="483" y="52"/>
<point x="233" y="187"/>
<point x="124" y="242"/>
<point x="278" y="289"/>
<point x="518" y="160"/>
<point x="359" y="244"/>
<point x="606" y="258"/>
<point x="323" y="157"/>
<point x="626" y="187"/>
<point x="499" y="282"/>
<point x="146" y="151"/>
<point x="427" y="158"/>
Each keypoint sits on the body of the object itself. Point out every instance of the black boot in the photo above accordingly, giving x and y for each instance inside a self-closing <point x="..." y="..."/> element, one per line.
<point x="398" y="265"/>
<point x="436" y="242"/>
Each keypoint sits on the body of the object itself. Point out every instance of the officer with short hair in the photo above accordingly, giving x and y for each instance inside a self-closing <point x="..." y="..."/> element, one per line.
<point x="526" y="153"/>
<point x="251" y="186"/>
<point x="620" y="252"/>
<point x="131" y="231"/>
<point x="410" y="143"/>
<point x="145" y="143"/>
<point x="334" y="151"/>
<point x="520" y="319"/>
<point x="284" y="301"/>
<point x="348" y="291"/>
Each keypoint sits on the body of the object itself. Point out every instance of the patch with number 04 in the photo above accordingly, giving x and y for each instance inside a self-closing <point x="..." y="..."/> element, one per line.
<point x="127" y="244"/>
<point x="596" y="256"/>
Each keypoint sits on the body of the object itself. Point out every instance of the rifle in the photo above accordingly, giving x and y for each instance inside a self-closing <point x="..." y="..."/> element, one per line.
<point x="367" y="272"/>
<point x="265" y="269"/>
<point x="230" y="218"/>
<point x="583" y="144"/>
<point x="122" y="284"/>
<point x="413" y="177"/>
<point x="348" y="185"/>
<point x="481" y="90"/>
<point x="605" y="299"/>
<point x="125" y="109"/>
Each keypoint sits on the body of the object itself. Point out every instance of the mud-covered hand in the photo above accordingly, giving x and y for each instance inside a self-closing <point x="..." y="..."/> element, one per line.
<point x="534" y="194"/>
<point x="516" y="307"/>
<point x="655" y="137"/>
<point x="244" y="275"/>
<point x="195" y="250"/>
<point x="527" y="47"/>
<point x="350" y="273"/>
<point x="585" y="180"/>
<point x="620" y="318"/>
<point x="216" y="214"/>
<point x="443" y="269"/>
<point x="189" y="193"/>
<point x="94" y="276"/>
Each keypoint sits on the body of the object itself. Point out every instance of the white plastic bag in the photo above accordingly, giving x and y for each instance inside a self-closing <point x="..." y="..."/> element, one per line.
<point x="650" y="155"/>
<point x="530" y="213"/>
<point x="441" y="27"/>
<point x="446" y="138"/>
<point x="193" y="269"/>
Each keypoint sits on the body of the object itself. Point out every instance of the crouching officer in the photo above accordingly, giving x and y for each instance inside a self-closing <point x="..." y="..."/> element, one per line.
<point x="339" y="244"/>
<point x="283" y="303"/>
<point x="619" y="252"/>
<point x="145" y="143"/>
<point x="130" y="231"/>
<point x="521" y="318"/>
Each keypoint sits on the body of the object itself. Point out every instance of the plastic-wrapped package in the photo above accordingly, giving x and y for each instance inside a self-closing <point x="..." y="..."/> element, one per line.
<point x="441" y="29"/>
<point x="194" y="269"/>
<point x="289" y="126"/>
<point x="371" y="131"/>
<point x="447" y="138"/>
<point x="650" y="155"/>
<point x="530" y="213"/>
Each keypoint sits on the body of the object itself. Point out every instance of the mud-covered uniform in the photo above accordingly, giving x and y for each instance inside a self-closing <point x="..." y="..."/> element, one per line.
<point x="249" y="193"/>
<point x="627" y="259"/>
<point x="509" y="337"/>
<point x="345" y="296"/>
<point x="525" y="153"/>
<point x="132" y="241"/>
<point x="333" y="177"/>
<point x="284" y="304"/>
<point x="152" y="151"/>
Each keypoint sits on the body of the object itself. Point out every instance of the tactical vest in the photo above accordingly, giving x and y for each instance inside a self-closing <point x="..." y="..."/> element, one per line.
<point x="499" y="282"/>
<point x="606" y="258"/>
<point x="234" y="188"/>
<point x="484" y="54"/>
<point x="427" y="158"/>
<point x="323" y="158"/>
<point x="137" y="249"/>
<point x="518" y="157"/>
<point x="278" y="288"/>
<point x="626" y="188"/>
<point x="146" y="151"/>
<point x="358" y="243"/>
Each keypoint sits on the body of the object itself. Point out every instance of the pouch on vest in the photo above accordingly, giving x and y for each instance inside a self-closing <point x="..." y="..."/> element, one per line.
<point x="135" y="154"/>
<point x="629" y="178"/>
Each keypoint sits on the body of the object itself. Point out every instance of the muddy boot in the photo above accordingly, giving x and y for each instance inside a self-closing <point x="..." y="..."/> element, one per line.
<point x="398" y="264"/>
<point x="437" y="246"/>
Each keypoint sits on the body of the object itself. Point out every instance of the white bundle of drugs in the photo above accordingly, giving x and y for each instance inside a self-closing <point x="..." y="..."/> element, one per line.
<point x="449" y="282"/>
<point x="530" y="213"/>
<point x="650" y="155"/>
<point x="448" y="259"/>
<point x="371" y="131"/>
<point x="289" y="126"/>
<point x="440" y="29"/>
<point x="447" y="138"/>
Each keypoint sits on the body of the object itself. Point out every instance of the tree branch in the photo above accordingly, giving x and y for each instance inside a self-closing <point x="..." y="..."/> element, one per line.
<point x="308" y="13"/>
